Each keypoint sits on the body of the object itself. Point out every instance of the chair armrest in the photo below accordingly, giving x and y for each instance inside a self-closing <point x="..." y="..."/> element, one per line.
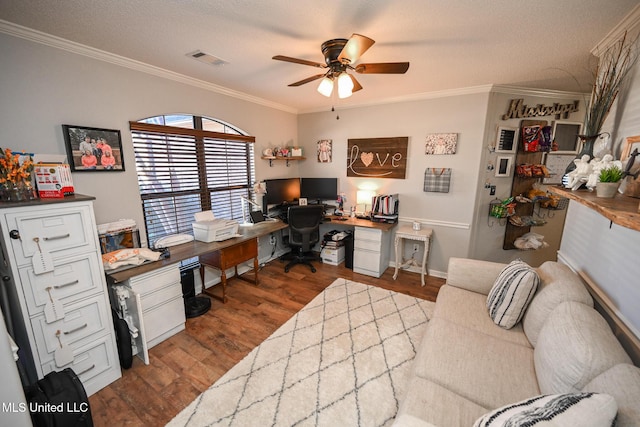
<point x="472" y="274"/>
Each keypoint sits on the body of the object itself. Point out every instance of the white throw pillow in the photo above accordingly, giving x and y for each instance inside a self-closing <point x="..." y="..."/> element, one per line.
<point x="511" y="293"/>
<point x="557" y="410"/>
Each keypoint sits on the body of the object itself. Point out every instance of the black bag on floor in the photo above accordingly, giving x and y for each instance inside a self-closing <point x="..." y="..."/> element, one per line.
<point x="59" y="400"/>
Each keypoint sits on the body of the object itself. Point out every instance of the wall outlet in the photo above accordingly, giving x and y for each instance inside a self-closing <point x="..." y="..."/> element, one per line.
<point x="416" y="247"/>
<point x="272" y="239"/>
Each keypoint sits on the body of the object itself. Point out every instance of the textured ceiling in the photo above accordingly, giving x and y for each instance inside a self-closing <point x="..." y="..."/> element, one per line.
<point x="450" y="44"/>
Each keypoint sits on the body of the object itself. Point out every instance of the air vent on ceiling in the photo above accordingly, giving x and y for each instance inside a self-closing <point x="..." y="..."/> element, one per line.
<point x="206" y="58"/>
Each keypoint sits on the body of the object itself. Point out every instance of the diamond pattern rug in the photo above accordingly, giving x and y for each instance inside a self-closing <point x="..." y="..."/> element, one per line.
<point x="342" y="360"/>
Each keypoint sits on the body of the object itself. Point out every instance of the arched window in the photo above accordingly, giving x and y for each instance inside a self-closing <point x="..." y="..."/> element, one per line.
<point x="187" y="164"/>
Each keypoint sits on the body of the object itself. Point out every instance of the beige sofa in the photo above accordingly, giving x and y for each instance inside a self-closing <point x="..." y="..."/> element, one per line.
<point x="466" y="365"/>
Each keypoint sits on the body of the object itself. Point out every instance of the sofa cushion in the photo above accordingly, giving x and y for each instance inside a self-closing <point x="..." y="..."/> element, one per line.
<point x="435" y="405"/>
<point x="483" y="369"/>
<point x="511" y="293"/>
<point x="623" y="383"/>
<point x="469" y="309"/>
<point x="559" y="410"/>
<point x="574" y="346"/>
<point x="557" y="285"/>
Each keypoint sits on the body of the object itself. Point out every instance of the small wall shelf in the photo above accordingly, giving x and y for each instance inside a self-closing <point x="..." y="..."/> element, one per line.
<point x="286" y="159"/>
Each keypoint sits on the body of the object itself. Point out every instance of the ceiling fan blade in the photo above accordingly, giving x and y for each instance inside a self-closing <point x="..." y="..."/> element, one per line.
<point x="355" y="47"/>
<point x="298" y="61"/>
<point x="356" y="85"/>
<point x="307" y="80"/>
<point x="383" y="68"/>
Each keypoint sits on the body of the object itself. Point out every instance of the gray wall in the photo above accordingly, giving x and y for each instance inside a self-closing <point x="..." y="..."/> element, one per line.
<point x="606" y="255"/>
<point x="448" y="214"/>
<point x="43" y="88"/>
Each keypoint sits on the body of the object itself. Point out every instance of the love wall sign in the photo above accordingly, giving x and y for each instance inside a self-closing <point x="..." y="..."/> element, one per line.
<point x="377" y="157"/>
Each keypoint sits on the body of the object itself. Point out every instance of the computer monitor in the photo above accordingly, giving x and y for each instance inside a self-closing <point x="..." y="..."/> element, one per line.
<point x="319" y="188"/>
<point x="281" y="190"/>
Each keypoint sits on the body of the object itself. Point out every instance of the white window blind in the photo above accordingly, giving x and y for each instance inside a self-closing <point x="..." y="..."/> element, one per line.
<point x="182" y="171"/>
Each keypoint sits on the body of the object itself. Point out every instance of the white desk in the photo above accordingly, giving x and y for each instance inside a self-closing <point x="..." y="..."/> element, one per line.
<point x="422" y="235"/>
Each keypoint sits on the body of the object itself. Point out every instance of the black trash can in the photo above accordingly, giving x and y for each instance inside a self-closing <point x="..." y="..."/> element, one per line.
<point x="193" y="306"/>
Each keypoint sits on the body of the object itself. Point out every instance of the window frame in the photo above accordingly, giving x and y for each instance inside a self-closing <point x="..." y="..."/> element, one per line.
<point x="207" y="188"/>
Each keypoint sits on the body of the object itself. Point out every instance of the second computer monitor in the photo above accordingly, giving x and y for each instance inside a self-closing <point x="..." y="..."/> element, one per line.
<point x="319" y="189"/>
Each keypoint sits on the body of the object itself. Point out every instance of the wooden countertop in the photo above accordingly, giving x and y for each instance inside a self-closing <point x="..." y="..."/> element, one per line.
<point x="621" y="210"/>
<point x="359" y="222"/>
<point x="196" y="248"/>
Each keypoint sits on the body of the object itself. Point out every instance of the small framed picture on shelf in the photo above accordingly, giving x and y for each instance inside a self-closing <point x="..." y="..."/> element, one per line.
<point x="507" y="140"/>
<point x="93" y="149"/>
<point x="504" y="166"/>
<point x="565" y="135"/>
<point x="630" y="144"/>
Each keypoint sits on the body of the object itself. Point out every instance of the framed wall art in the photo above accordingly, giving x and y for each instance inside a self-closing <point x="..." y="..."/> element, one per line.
<point x="93" y="149"/>
<point x="507" y="140"/>
<point x="441" y="143"/>
<point x="325" y="151"/>
<point x="503" y="166"/>
<point x="565" y="135"/>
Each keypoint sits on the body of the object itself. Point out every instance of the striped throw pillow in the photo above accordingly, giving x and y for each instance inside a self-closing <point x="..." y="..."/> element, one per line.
<point x="558" y="410"/>
<point x="511" y="293"/>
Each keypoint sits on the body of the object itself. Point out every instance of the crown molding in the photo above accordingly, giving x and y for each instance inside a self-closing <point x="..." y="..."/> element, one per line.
<point x="629" y="24"/>
<point x="545" y="93"/>
<point x="36" y="36"/>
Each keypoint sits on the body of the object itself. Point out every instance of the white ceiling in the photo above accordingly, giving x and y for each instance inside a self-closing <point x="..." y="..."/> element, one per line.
<point x="451" y="44"/>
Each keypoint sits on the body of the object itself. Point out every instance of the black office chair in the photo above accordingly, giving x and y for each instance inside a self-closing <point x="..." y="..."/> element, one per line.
<point x="304" y="232"/>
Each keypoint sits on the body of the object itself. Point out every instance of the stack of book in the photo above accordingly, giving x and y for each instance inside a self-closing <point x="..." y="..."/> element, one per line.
<point x="385" y="208"/>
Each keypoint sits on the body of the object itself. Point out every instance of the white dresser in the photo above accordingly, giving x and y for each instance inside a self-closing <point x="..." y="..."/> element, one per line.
<point x="51" y="248"/>
<point x="371" y="249"/>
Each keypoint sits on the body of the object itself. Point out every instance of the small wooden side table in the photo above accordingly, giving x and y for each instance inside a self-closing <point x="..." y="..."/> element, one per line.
<point x="422" y="235"/>
<point x="230" y="257"/>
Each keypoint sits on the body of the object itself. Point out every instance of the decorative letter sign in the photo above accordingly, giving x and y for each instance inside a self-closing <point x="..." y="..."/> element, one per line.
<point x="377" y="157"/>
<point x="518" y="110"/>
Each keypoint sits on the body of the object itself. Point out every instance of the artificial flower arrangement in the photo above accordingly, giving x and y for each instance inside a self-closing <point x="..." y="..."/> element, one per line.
<point x="15" y="176"/>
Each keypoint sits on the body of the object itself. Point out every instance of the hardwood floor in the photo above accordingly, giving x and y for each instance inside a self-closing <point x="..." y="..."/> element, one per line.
<point x="186" y="364"/>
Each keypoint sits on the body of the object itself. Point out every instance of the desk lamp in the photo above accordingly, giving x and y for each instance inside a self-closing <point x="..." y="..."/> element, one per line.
<point x="244" y="213"/>
<point x="363" y="197"/>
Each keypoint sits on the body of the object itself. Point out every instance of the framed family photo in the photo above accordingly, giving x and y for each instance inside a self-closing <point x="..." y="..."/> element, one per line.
<point x="93" y="149"/>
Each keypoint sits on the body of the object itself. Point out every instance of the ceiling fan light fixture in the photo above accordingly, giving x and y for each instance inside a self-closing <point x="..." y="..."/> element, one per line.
<point x="326" y="87"/>
<point x="345" y="85"/>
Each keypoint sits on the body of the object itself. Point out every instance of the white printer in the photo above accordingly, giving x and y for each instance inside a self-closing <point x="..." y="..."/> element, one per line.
<point x="209" y="229"/>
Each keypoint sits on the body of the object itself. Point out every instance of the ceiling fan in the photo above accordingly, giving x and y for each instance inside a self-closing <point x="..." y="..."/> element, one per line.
<point x="339" y="57"/>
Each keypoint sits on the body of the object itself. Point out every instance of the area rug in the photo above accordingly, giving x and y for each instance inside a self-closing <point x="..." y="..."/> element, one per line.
<point x="343" y="360"/>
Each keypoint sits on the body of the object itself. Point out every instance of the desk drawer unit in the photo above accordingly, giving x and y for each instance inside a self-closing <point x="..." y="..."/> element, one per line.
<point x="157" y="306"/>
<point x="371" y="251"/>
<point x="64" y="303"/>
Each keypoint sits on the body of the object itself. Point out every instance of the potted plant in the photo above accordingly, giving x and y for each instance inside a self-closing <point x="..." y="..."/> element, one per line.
<point x="609" y="181"/>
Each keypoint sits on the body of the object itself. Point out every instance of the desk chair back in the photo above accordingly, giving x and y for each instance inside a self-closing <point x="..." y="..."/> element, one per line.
<point x="304" y="232"/>
<point x="304" y="225"/>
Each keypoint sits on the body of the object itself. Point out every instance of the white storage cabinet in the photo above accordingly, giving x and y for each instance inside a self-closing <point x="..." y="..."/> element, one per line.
<point x="371" y="249"/>
<point x="65" y="231"/>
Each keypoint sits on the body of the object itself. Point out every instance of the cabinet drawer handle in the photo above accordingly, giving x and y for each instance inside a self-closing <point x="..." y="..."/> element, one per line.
<point x="75" y="282"/>
<point x="62" y="236"/>
<point x="86" y="370"/>
<point x="75" y="329"/>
